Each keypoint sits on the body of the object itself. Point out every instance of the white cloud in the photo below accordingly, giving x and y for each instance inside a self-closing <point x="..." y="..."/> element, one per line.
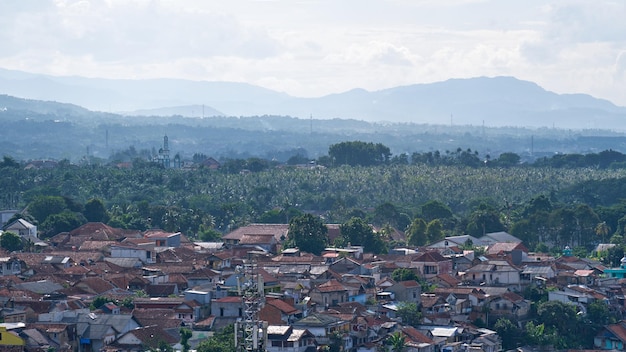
<point x="316" y="47"/>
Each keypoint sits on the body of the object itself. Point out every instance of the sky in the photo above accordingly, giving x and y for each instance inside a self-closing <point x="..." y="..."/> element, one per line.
<point x="311" y="48"/>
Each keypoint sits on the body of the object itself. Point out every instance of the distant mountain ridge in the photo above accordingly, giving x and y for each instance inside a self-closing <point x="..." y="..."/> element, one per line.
<point x="489" y="101"/>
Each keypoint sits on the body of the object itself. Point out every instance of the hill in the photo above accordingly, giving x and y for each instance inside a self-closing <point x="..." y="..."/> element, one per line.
<point x="495" y="101"/>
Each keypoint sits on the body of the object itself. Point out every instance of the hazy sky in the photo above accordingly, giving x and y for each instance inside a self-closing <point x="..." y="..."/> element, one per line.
<point x="311" y="48"/>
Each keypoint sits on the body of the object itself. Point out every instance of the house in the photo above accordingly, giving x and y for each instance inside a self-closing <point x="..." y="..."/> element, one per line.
<point x="612" y="337"/>
<point x="493" y="272"/>
<point x="444" y="280"/>
<point x="456" y="241"/>
<point x="322" y="326"/>
<point x="188" y="311"/>
<point x="91" y="231"/>
<point x="498" y="237"/>
<point x="277" y="311"/>
<point x="97" y="330"/>
<point x="9" y="340"/>
<point x="415" y="341"/>
<point x="285" y="338"/>
<point x="509" y="305"/>
<point x="163" y="317"/>
<point x="162" y="238"/>
<point x="531" y="273"/>
<point x="10" y="266"/>
<point x="431" y="263"/>
<point x="210" y="163"/>
<point x="501" y="248"/>
<point x="157" y="302"/>
<point x="330" y="293"/>
<point x="487" y="341"/>
<point x="202" y="277"/>
<point x="278" y="230"/>
<point x="219" y="260"/>
<point x="578" y="295"/>
<point x="433" y="304"/>
<point x="129" y="250"/>
<point x="267" y="241"/>
<point x="6" y="215"/>
<point x="449" y="334"/>
<point x="144" y="338"/>
<point x="13" y="315"/>
<point x="620" y="272"/>
<point x="229" y="306"/>
<point x="406" y="291"/>
<point x="61" y="334"/>
<point x="22" y="228"/>
<point x="346" y="265"/>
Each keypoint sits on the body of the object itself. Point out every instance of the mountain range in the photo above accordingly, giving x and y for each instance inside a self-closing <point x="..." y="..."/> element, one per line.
<point x="481" y="101"/>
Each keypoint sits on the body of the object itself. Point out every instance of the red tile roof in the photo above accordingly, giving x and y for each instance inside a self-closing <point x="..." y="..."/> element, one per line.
<point x="409" y="283"/>
<point x="229" y="299"/>
<point x="619" y="330"/>
<point x="278" y="230"/>
<point x="331" y="286"/>
<point x="415" y="336"/>
<point x="283" y="306"/>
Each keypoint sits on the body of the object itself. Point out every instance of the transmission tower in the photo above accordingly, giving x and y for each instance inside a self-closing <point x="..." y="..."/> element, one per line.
<point x="250" y="331"/>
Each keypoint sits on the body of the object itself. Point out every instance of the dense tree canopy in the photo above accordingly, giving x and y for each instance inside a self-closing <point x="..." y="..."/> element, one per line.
<point x="358" y="232"/>
<point x="308" y="233"/>
<point x="538" y="204"/>
<point x="11" y="241"/>
<point x="221" y="341"/>
<point x="359" y="153"/>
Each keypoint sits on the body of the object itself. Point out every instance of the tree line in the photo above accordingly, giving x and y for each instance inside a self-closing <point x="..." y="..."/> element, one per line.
<point x="576" y="206"/>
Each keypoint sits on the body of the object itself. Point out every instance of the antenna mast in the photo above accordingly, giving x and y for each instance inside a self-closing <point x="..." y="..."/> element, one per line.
<point x="250" y="332"/>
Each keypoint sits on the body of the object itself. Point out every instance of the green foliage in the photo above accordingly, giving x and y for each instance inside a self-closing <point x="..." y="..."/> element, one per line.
<point x="403" y="274"/>
<point x="279" y="216"/>
<point x="507" y="159"/>
<point x="221" y="341"/>
<point x="9" y="162"/>
<point x="409" y="313"/>
<point x="298" y="159"/>
<point x="434" y="209"/>
<point x="613" y="256"/>
<point x="308" y="233"/>
<point x="220" y="201"/>
<point x="599" y="315"/>
<point x="536" y="335"/>
<point x="359" y="153"/>
<point x="99" y="302"/>
<point x="561" y="325"/>
<point x="484" y="220"/>
<point x="434" y="231"/>
<point x="95" y="211"/>
<point x="358" y="232"/>
<point x="509" y="332"/>
<point x="44" y="206"/>
<point x="458" y="157"/>
<point x="416" y="233"/>
<point x="535" y="294"/>
<point x="62" y="222"/>
<point x="11" y="241"/>
<point x="209" y="235"/>
<point x="185" y="335"/>
<point x="396" y="341"/>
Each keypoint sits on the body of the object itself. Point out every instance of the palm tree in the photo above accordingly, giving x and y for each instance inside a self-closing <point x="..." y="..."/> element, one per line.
<point x="397" y="342"/>
<point x="602" y="229"/>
